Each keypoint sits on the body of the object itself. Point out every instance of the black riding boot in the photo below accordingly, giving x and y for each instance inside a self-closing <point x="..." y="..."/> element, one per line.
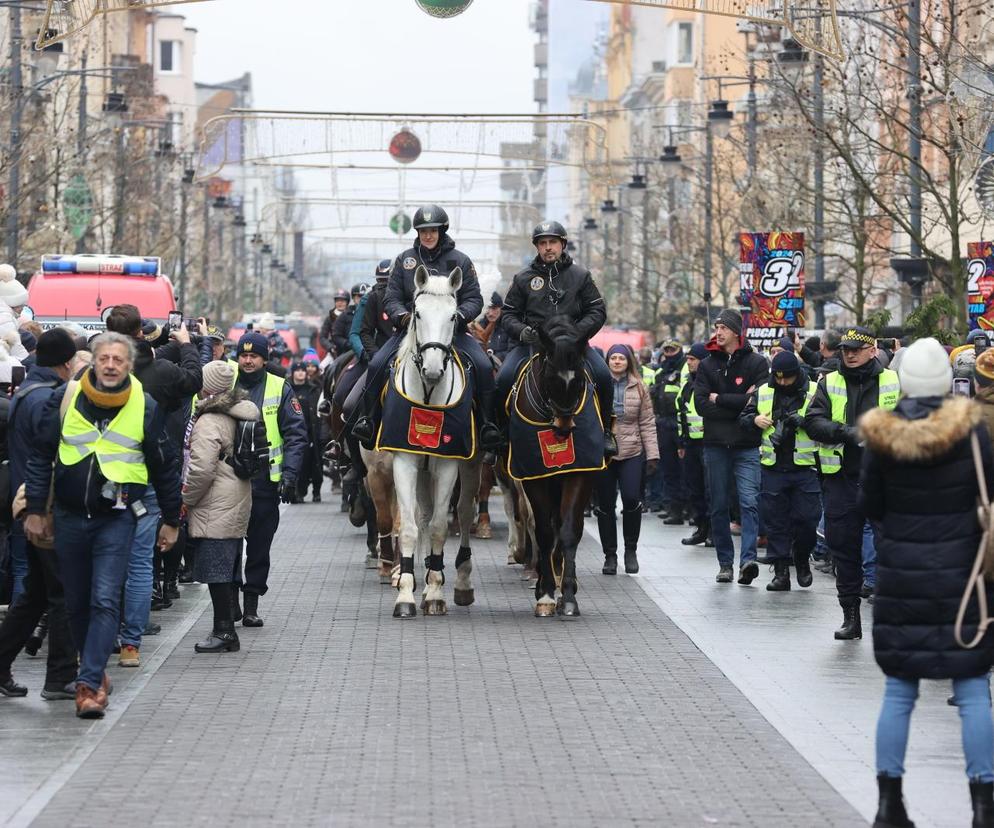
<point x="890" y="811"/>
<point x="982" y="796"/>
<point x="852" y="623"/>
<point x="37" y="638"/>
<point x="631" y="528"/>
<point x="491" y="438"/>
<point x="781" y="576"/>
<point x="607" y="528"/>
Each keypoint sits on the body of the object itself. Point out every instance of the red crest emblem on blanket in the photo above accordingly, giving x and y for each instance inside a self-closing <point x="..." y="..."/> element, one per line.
<point x="425" y="428"/>
<point x="556" y="450"/>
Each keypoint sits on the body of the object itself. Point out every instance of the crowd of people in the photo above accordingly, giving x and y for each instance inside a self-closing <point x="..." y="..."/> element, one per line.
<point x="139" y="458"/>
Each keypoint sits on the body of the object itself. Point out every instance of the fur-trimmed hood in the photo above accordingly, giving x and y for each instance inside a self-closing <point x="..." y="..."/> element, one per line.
<point x="234" y="403"/>
<point x="922" y="439"/>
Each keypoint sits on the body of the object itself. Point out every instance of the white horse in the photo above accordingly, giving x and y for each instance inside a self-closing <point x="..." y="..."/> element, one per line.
<point x="426" y="370"/>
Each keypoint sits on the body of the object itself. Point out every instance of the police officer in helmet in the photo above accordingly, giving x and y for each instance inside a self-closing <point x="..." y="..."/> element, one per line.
<point x="437" y="252"/>
<point x="554" y="285"/>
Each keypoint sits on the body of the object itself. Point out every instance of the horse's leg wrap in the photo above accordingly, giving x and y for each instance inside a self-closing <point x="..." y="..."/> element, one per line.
<point x="465" y="553"/>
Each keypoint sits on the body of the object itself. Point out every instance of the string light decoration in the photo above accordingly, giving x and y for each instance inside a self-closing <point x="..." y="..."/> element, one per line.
<point x="64" y="18"/>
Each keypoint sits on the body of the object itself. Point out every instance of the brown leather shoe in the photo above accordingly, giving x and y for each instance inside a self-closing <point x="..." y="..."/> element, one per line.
<point x="88" y="704"/>
<point x="106" y="688"/>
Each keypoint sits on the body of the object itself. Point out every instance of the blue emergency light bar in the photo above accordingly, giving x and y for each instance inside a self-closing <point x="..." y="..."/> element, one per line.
<point x="86" y="263"/>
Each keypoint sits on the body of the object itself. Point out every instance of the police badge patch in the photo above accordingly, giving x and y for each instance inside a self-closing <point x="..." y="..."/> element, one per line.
<point x="537" y="283"/>
<point x="410" y="263"/>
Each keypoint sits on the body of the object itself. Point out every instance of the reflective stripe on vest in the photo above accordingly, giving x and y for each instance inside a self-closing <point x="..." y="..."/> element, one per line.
<point x="695" y="422"/>
<point x="118" y="449"/>
<point x="804" y="446"/>
<point x="270" y="418"/>
<point x="649" y="374"/>
<point x="888" y="393"/>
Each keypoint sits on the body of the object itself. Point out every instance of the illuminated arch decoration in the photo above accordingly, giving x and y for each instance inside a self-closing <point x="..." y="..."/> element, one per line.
<point x="64" y="18"/>
<point x="814" y="23"/>
<point x="470" y="142"/>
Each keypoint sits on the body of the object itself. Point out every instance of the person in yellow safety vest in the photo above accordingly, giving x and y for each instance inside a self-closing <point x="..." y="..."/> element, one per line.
<point x="691" y="451"/>
<point x="790" y="494"/>
<point x="107" y="442"/>
<point x="649" y="370"/>
<point x="666" y="486"/>
<point x="860" y="384"/>
<point x="286" y="430"/>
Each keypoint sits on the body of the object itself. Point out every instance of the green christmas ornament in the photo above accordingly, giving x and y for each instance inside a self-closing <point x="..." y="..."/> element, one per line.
<point x="400" y="224"/>
<point x="444" y="8"/>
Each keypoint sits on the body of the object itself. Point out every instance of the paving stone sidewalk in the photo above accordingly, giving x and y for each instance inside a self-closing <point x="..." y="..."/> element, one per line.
<point x="335" y="713"/>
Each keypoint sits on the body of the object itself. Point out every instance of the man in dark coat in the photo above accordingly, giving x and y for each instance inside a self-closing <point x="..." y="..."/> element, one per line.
<point x="328" y="325"/>
<point x="732" y="371"/>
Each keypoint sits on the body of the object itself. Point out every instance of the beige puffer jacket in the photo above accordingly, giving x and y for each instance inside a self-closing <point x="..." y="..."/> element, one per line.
<point x="635" y="431"/>
<point x="218" y="502"/>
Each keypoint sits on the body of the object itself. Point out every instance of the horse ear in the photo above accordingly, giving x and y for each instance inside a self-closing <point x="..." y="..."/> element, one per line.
<point x="420" y="277"/>
<point x="455" y="279"/>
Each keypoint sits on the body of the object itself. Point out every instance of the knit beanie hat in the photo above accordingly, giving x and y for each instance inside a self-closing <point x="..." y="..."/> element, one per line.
<point x="698" y="350"/>
<point x="731" y="319"/>
<point x="785" y="364"/>
<point x="55" y="347"/>
<point x="619" y="348"/>
<point x="12" y="292"/>
<point x="925" y="370"/>
<point x="219" y="376"/>
<point x="253" y="342"/>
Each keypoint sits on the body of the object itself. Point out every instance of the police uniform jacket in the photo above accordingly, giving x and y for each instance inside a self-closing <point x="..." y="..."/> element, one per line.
<point x="376" y="325"/>
<point x="440" y="262"/>
<point x="340" y="330"/>
<point x="541" y="291"/>
<point x="291" y="422"/>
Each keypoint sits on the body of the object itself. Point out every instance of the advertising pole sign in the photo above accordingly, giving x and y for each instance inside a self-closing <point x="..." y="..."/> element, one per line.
<point x="771" y="284"/>
<point x="980" y="285"/>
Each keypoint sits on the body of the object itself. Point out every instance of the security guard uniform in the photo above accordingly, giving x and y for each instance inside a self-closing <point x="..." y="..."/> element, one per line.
<point x="286" y="430"/>
<point x="691" y="437"/>
<point x="831" y="420"/>
<point x="670" y="378"/>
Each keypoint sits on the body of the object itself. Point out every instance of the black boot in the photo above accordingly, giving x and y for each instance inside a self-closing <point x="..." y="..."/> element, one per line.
<point x="251" y="617"/>
<point x="852" y="626"/>
<point x="160" y="600"/>
<point x="631" y="560"/>
<point x="171" y="587"/>
<point x="236" y="610"/>
<point x="37" y="638"/>
<point x="700" y="534"/>
<point x="982" y="796"/>
<point x="631" y="528"/>
<point x="675" y="517"/>
<point x="364" y="430"/>
<point x="607" y="529"/>
<point x="890" y="811"/>
<point x="491" y="439"/>
<point x="610" y="562"/>
<point x="781" y="576"/>
<point x="223" y="639"/>
<point x="802" y="563"/>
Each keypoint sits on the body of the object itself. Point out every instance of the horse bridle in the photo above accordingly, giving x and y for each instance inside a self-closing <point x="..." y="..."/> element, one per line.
<point x="535" y="395"/>
<point x="418" y="355"/>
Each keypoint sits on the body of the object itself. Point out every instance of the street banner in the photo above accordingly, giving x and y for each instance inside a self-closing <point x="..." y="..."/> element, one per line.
<point x="980" y="284"/>
<point x="771" y="284"/>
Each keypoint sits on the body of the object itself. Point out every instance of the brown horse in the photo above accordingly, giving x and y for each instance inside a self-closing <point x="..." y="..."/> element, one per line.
<point x="550" y="390"/>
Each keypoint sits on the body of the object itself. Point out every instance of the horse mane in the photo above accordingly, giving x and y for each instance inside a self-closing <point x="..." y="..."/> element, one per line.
<point x="435" y="286"/>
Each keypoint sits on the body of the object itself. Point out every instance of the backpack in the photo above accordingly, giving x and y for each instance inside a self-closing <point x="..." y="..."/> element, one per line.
<point x="250" y="455"/>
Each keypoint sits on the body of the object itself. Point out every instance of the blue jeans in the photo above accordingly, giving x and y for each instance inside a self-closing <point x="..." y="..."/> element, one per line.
<point x="138" y="587"/>
<point x="93" y="559"/>
<point x="18" y="561"/>
<point x="869" y="556"/>
<point x="722" y="465"/>
<point x="973" y="700"/>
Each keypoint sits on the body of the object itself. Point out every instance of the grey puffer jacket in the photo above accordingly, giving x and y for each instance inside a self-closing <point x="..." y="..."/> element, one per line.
<point x="218" y="502"/>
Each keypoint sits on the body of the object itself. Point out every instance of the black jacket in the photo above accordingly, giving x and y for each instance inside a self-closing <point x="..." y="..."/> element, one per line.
<point x="541" y="291"/>
<point x="787" y="401"/>
<point x="500" y="341"/>
<point x="730" y="377"/>
<point x="376" y="325"/>
<point x="24" y="429"/>
<point x="324" y="336"/>
<point x="440" y="262"/>
<point x="171" y="385"/>
<point x="77" y="487"/>
<point x="291" y="421"/>
<point x="862" y="394"/>
<point x="918" y="480"/>
<point x="341" y="329"/>
<point x="308" y="394"/>
<point x="665" y="404"/>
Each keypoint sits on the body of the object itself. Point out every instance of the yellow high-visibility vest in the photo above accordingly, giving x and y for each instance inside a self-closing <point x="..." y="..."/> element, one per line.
<point x="888" y="393"/>
<point x="804" y="447"/>
<point x="270" y="418"/>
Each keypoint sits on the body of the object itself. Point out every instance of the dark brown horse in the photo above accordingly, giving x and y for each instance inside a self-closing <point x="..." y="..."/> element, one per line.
<point x="550" y="390"/>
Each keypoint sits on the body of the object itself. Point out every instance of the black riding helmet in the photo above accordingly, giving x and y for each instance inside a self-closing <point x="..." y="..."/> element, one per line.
<point x="431" y="215"/>
<point x="549" y="228"/>
<point x="341" y="294"/>
<point x="383" y="269"/>
<point x="360" y="288"/>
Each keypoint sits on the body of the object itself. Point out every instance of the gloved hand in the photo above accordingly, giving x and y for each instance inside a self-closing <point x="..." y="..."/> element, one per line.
<point x="404" y="321"/>
<point x="288" y="491"/>
<point x="851" y="436"/>
<point x="324" y="407"/>
<point x="650" y="467"/>
<point x="794" y="420"/>
<point x="529" y="335"/>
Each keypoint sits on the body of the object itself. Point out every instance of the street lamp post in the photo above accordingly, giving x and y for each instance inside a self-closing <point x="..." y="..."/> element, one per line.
<point x="16" y="112"/>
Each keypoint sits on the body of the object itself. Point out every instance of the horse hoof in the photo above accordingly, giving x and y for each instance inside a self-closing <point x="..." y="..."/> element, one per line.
<point x="543" y="610"/>
<point x="404" y="611"/>
<point x="511" y="560"/>
<point x="384" y="577"/>
<point x="464" y="597"/>
<point x="569" y="610"/>
<point x="435" y="607"/>
<point x="372" y="561"/>
<point x="484" y="532"/>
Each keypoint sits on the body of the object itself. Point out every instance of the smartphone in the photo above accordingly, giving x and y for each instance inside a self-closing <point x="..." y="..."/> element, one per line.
<point x="174" y="320"/>
<point x="961" y="386"/>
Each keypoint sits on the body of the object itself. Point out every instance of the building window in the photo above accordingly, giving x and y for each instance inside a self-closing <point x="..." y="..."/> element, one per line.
<point x="685" y="43"/>
<point x="169" y="56"/>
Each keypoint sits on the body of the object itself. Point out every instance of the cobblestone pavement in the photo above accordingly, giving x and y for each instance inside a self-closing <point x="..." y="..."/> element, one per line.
<point x="336" y="713"/>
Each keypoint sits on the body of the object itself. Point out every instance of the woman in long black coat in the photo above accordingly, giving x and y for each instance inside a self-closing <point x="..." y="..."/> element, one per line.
<point x="919" y="483"/>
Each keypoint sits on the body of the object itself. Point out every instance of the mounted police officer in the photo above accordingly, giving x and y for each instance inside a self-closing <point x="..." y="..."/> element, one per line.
<point x="437" y="252"/>
<point x="554" y="285"/>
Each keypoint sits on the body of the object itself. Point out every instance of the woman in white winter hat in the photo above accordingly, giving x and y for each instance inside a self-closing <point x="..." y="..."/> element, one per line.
<point x="13" y="298"/>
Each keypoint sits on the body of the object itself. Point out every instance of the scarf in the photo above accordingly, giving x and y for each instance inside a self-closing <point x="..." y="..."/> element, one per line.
<point x="105" y="399"/>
